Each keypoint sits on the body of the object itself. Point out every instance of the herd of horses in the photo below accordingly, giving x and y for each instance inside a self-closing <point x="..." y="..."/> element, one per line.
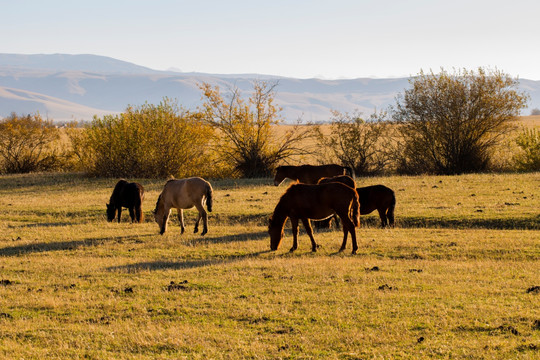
<point x="321" y="192"/>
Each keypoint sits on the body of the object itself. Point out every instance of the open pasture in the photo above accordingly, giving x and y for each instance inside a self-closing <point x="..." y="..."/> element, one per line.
<point x="457" y="278"/>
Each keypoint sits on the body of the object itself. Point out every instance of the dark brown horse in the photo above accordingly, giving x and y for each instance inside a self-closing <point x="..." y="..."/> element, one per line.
<point x="127" y="195"/>
<point x="305" y="202"/>
<point x="380" y="198"/>
<point x="309" y="174"/>
<point x="375" y="197"/>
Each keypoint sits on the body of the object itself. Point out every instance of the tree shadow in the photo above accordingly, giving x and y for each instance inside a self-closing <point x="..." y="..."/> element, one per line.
<point x="159" y="265"/>
<point x="62" y="245"/>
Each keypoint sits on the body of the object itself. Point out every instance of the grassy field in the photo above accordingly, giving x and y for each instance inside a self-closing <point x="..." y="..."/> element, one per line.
<point x="457" y="278"/>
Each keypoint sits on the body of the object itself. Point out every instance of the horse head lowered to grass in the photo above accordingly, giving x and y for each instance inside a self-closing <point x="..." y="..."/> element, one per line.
<point x="184" y="194"/>
<point x="127" y="195"/>
<point x="305" y="202"/>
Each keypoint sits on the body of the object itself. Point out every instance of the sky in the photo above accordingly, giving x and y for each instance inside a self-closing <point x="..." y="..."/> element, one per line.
<point x="333" y="39"/>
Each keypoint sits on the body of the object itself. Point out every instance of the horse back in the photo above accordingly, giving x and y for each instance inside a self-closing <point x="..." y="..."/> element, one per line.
<point x="318" y="201"/>
<point x="185" y="193"/>
<point x="311" y="174"/>
<point x="344" y="179"/>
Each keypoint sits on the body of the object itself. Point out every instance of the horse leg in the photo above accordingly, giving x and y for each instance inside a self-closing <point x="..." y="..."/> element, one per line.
<point x="294" y="227"/>
<point x="132" y="213"/>
<point x="382" y="215"/>
<point x="119" y="213"/>
<point x="347" y="225"/>
<point x="138" y="213"/>
<point x="204" y="215"/>
<point x="352" y="230"/>
<point x="309" y="231"/>
<point x="181" y="220"/>
<point x="165" y="220"/>
<point x="390" y="215"/>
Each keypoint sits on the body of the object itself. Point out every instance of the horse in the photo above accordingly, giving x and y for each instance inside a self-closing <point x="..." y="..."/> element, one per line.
<point x="184" y="194"/>
<point x="128" y="195"/>
<point x="305" y="202"/>
<point x="309" y="174"/>
<point x="375" y="197"/>
<point x="378" y="197"/>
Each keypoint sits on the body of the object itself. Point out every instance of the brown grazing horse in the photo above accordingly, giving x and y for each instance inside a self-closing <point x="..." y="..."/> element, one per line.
<point x="305" y="202"/>
<point x="184" y="194"/>
<point x="380" y="198"/>
<point x="128" y="195"/>
<point x="309" y="174"/>
<point x="375" y="197"/>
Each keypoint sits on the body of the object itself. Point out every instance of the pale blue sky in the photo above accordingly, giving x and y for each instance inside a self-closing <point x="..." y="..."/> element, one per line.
<point x="303" y="38"/>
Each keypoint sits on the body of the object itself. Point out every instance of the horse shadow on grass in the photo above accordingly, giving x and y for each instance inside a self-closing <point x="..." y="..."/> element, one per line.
<point x="208" y="261"/>
<point x="63" y="245"/>
<point x="160" y="265"/>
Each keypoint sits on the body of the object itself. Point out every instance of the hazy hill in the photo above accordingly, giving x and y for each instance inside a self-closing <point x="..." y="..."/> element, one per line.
<point x="66" y="87"/>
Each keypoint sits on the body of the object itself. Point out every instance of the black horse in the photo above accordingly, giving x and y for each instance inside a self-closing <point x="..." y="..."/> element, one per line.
<point x="127" y="195"/>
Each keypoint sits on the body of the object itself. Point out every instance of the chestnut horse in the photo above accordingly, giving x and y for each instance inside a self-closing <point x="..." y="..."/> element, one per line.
<point x="184" y="194"/>
<point x="305" y="202"/>
<point x="309" y="174"/>
<point x="375" y="197"/>
<point x="128" y="195"/>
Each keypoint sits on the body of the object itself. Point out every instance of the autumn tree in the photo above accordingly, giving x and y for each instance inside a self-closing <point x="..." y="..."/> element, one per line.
<point x="247" y="138"/>
<point x="362" y="144"/>
<point x="450" y="122"/>
<point x="29" y="143"/>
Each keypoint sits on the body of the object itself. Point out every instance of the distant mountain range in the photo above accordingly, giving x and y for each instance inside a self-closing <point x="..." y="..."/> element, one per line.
<point x="77" y="87"/>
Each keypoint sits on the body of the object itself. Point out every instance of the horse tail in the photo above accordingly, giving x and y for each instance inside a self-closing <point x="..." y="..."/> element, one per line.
<point x="354" y="211"/>
<point x="139" y="216"/>
<point x="209" y="199"/>
<point x="391" y="208"/>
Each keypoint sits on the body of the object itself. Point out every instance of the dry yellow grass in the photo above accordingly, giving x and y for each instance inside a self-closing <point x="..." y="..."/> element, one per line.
<point x="452" y="280"/>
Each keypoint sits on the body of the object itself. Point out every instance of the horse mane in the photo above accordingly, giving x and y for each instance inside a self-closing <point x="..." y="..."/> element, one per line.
<point x="157" y="203"/>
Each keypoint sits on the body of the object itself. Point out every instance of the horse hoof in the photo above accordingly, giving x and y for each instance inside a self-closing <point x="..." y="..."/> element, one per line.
<point x="354" y="252"/>
<point x="195" y="231"/>
<point x="204" y="232"/>
<point x="292" y="250"/>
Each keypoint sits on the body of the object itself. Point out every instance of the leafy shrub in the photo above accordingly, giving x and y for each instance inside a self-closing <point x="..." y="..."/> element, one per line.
<point x="529" y="158"/>
<point x="360" y="144"/>
<point x="28" y="143"/>
<point x="146" y="141"/>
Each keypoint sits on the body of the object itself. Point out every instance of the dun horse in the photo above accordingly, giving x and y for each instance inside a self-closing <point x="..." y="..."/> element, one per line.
<point x="375" y="197"/>
<point x="309" y="174"/>
<point x="305" y="202"/>
<point x="184" y="194"/>
<point x="128" y="195"/>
